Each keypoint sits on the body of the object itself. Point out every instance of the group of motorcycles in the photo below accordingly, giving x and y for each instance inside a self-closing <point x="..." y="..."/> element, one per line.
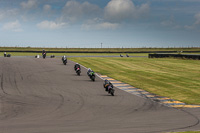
<point x="107" y="85"/>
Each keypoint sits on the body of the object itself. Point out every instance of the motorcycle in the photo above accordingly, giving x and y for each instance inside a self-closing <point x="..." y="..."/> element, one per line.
<point x="8" y="55"/>
<point x="44" y="55"/>
<point x="64" y="60"/>
<point x="111" y="90"/>
<point x="92" y="76"/>
<point x="78" y="71"/>
<point x="52" y="56"/>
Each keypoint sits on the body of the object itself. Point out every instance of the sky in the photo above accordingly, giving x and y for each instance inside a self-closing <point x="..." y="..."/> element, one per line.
<point x="100" y="23"/>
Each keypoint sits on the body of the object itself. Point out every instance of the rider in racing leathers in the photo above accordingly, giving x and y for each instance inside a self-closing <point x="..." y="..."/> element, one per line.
<point x="106" y="84"/>
<point x="89" y="72"/>
<point x="64" y="58"/>
<point x="77" y="66"/>
<point x="43" y="51"/>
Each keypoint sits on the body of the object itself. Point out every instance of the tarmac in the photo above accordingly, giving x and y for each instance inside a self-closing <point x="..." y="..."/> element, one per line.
<point x="45" y="96"/>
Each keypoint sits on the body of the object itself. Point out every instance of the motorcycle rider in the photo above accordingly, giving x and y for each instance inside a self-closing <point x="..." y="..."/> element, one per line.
<point x="106" y="84"/>
<point x="43" y="52"/>
<point x="89" y="72"/>
<point x="64" y="58"/>
<point x="77" y="66"/>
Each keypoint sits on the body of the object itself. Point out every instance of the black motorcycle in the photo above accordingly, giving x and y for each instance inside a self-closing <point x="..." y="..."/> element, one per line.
<point x="78" y="71"/>
<point x="8" y="55"/>
<point x="52" y="56"/>
<point x="44" y="55"/>
<point x="111" y="90"/>
<point x="64" y="60"/>
<point x="92" y="76"/>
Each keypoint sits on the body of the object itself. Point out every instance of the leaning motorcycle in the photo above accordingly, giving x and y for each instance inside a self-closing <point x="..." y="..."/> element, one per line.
<point x="92" y="76"/>
<point x="78" y="71"/>
<point x="111" y="90"/>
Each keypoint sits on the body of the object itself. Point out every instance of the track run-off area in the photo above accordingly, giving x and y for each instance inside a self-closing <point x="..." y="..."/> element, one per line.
<point x="45" y="96"/>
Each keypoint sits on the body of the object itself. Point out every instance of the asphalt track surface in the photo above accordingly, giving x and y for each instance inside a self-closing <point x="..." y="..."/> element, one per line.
<point x="44" y="96"/>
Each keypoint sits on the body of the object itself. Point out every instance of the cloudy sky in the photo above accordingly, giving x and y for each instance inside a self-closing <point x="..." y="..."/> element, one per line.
<point x="90" y="23"/>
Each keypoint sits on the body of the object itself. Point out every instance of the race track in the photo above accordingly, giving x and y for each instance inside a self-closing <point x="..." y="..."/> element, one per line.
<point x="44" y="96"/>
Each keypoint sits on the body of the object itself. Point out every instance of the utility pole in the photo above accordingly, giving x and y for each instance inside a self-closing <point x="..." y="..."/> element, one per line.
<point x="101" y="45"/>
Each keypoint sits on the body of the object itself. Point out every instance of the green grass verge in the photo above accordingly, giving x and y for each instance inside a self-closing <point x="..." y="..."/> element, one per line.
<point x="72" y="54"/>
<point x="77" y="54"/>
<point x="174" y="78"/>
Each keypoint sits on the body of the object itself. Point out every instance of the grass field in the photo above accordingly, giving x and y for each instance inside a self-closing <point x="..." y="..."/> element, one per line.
<point x="72" y="54"/>
<point x="174" y="78"/>
<point x="77" y="54"/>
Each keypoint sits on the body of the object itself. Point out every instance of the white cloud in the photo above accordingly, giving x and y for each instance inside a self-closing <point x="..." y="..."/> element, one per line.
<point x="9" y="13"/>
<point x="107" y="25"/>
<point x="29" y="4"/>
<point x="74" y="11"/>
<point x="170" y="23"/>
<point x="2" y="15"/>
<point x="98" y="24"/>
<point x="122" y="10"/>
<point x="50" y="25"/>
<point x="119" y="9"/>
<point x="196" y="24"/>
<point x="13" y="26"/>
<point x="143" y="10"/>
<point x="46" y="8"/>
<point x="197" y="17"/>
<point x="189" y="27"/>
<point x="167" y="23"/>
